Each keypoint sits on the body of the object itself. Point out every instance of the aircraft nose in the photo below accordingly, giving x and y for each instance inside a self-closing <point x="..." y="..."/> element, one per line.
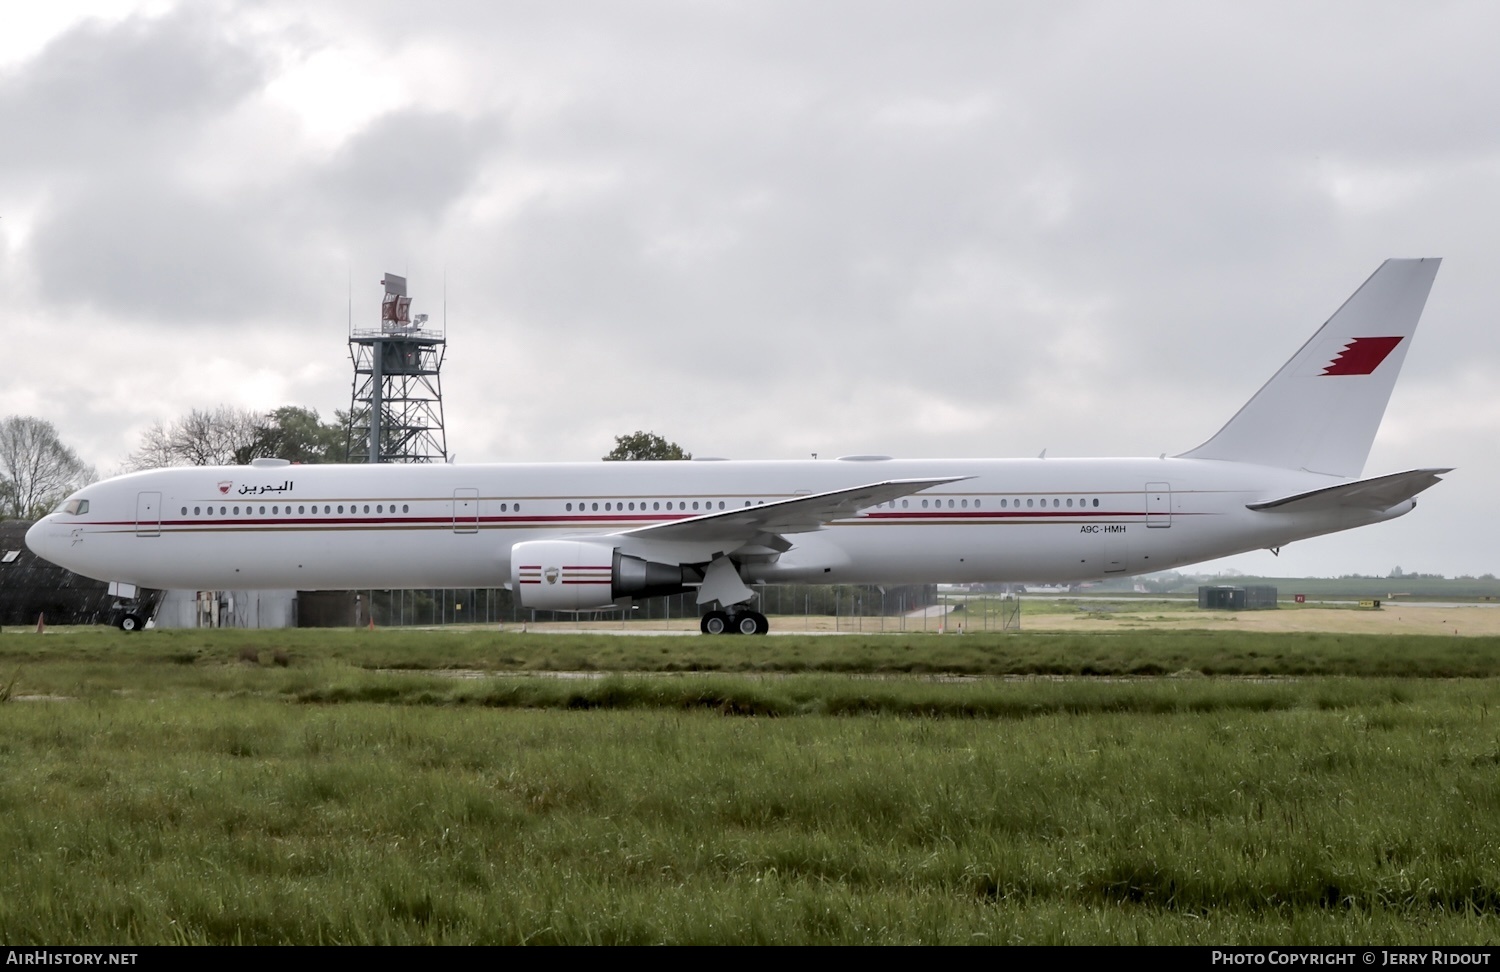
<point x="42" y="538"/>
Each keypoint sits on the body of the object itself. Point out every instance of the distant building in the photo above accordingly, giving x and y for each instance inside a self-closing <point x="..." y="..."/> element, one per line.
<point x="227" y="609"/>
<point x="1249" y="598"/>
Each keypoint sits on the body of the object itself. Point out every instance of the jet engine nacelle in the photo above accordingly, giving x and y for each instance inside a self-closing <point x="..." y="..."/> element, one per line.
<point x="585" y="575"/>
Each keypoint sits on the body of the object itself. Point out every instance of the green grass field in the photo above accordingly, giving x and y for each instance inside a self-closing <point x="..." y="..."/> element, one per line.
<point x="308" y="786"/>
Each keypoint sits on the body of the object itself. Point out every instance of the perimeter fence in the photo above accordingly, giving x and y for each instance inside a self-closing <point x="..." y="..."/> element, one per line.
<point x="831" y="608"/>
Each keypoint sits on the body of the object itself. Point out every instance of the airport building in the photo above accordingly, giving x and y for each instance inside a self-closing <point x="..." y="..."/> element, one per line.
<point x="1249" y="598"/>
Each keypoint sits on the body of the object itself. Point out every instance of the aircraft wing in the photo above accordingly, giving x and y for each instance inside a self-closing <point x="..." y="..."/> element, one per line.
<point x="799" y="514"/>
<point x="1380" y="493"/>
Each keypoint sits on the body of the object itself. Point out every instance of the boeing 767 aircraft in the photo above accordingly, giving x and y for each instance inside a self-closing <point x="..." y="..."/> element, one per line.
<point x="584" y="536"/>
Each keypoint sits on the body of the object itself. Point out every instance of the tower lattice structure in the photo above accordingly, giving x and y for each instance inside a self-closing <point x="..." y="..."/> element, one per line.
<point x="396" y="407"/>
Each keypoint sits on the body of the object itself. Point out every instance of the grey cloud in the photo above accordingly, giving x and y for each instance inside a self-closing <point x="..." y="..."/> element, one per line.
<point x="149" y="248"/>
<point x="120" y="94"/>
<point x="152" y="246"/>
<point x="406" y="168"/>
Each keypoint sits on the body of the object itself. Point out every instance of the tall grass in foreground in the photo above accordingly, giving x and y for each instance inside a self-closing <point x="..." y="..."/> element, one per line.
<point x="1187" y="811"/>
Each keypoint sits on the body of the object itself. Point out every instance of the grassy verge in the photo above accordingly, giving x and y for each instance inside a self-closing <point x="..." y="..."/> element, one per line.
<point x="167" y="791"/>
<point x="1114" y="653"/>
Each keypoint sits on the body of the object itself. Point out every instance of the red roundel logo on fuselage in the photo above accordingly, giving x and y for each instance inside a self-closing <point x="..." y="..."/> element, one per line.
<point x="225" y="487"/>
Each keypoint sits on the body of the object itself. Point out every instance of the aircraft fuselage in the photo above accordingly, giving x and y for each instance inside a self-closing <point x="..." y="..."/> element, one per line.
<point x="350" y="527"/>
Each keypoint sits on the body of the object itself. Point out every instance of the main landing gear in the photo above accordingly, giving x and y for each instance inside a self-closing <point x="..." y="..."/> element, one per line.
<point x="740" y="622"/>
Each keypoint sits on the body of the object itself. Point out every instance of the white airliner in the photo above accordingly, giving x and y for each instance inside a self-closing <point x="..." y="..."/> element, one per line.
<point x="584" y="536"/>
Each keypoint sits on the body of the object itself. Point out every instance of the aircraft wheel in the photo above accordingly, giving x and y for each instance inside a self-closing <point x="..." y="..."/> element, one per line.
<point x="746" y="623"/>
<point x="762" y="626"/>
<point x="714" y="622"/>
<point x="130" y="622"/>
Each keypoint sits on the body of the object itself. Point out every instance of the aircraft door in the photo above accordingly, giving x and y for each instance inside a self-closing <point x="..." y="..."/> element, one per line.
<point x="148" y="515"/>
<point x="466" y="510"/>
<point x="1158" y="505"/>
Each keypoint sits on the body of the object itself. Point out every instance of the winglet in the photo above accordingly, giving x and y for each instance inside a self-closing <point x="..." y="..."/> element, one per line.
<point x="1320" y="412"/>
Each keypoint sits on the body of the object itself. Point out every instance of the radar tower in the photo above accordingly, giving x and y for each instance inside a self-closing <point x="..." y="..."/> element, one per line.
<point x="396" y="407"/>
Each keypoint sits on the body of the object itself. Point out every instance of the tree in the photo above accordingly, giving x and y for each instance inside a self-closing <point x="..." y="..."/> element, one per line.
<point x="227" y="436"/>
<point x="645" y="445"/>
<point x="36" y="469"/>
<point x="299" y="435"/>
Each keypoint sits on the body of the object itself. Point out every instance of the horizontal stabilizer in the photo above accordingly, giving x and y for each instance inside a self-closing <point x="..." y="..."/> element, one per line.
<point x="799" y="514"/>
<point x="1378" y="494"/>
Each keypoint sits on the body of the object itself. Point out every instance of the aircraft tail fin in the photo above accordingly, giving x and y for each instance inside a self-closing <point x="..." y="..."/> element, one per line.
<point x="1320" y="412"/>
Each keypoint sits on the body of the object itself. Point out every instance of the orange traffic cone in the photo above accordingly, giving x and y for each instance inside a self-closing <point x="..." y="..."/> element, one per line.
<point x="372" y="624"/>
<point x="41" y="624"/>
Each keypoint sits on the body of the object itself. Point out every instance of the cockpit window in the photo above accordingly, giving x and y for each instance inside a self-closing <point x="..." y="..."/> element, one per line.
<point x="75" y="507"/>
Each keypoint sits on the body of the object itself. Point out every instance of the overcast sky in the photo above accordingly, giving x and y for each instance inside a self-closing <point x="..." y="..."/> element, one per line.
<point x="762" y="229"/>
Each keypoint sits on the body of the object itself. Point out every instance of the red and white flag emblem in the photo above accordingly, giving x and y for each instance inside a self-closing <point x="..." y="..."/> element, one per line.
<point x="1361" y="355"/>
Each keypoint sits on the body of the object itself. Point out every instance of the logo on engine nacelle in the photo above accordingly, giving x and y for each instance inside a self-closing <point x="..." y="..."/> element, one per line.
<point x="551" y="573"/>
